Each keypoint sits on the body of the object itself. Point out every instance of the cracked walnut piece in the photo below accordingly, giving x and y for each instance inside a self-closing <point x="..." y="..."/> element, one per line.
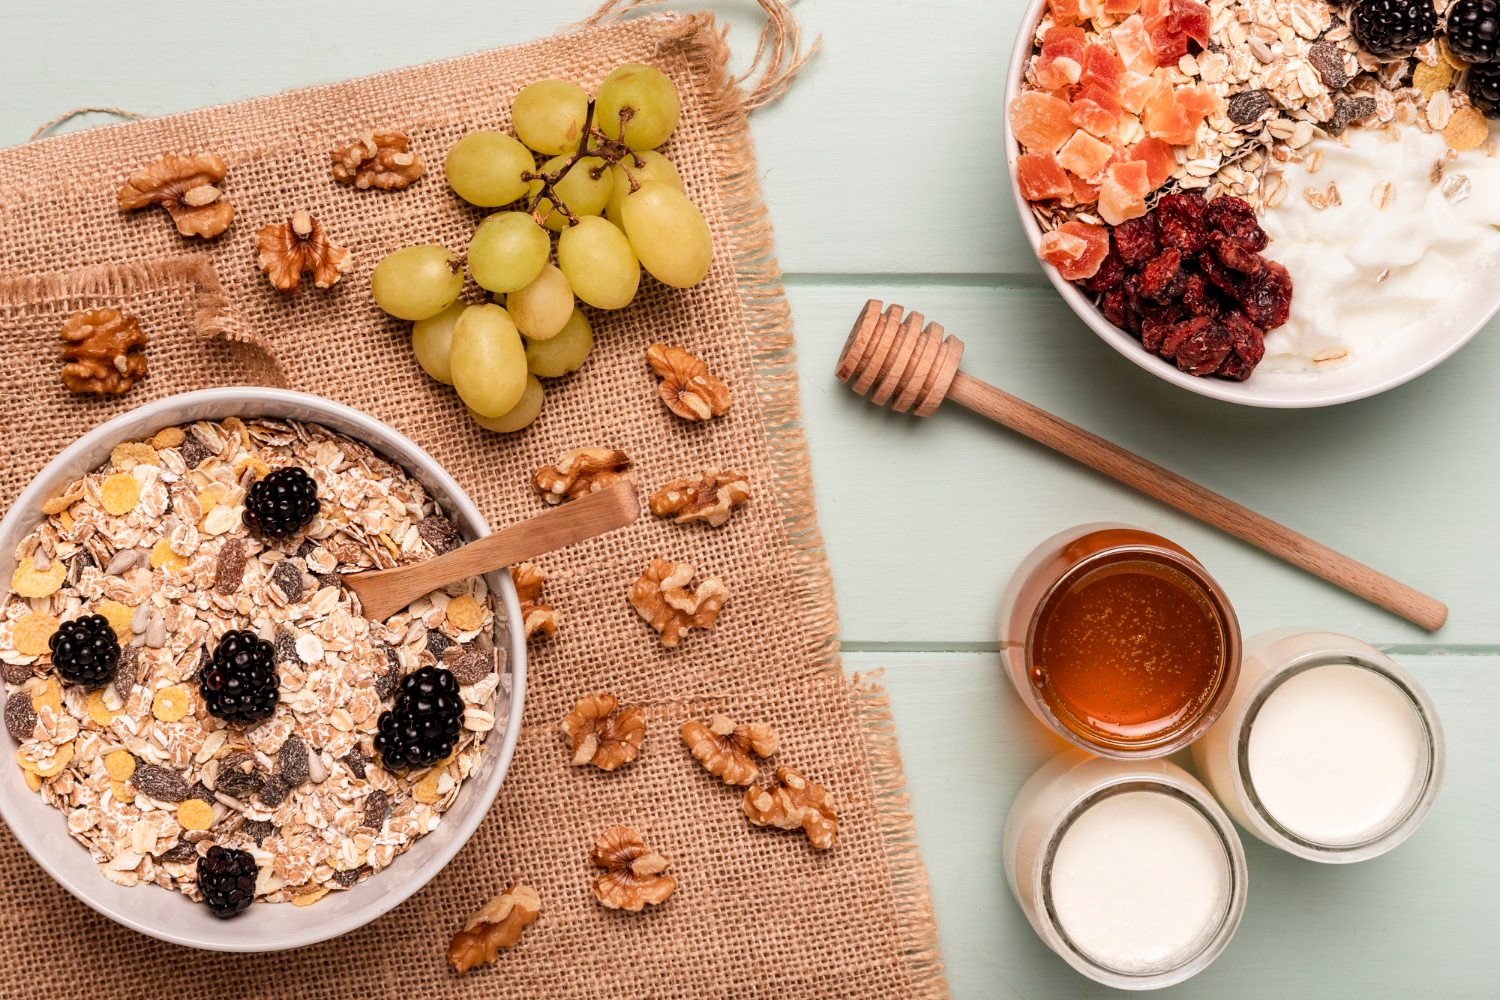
<point x="686" y="385"/>
<point x="300" y="244"/>
<point x="579" y="473"/>
<point x="791" y="803"/>
<point x="104" y="352"/>
<point x="498" y="924"/>
<point x="710" y="498"/>
<point x="727" y="750"/>
<point x="634" y="875"/>
<point x="602" y="733"/>
<point x="186" y="186"/>
<point x="535" y="616"/>
<point x="377" y="159"/>
<point x="662" y="597"/>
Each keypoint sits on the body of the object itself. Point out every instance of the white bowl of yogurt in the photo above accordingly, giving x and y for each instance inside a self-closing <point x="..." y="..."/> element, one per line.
<point x="1380" y="295"/>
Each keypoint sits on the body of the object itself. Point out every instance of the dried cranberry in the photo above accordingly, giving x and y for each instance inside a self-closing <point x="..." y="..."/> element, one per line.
<point x="1181" y="222"/>
<point x="1162" y="280"/>
<point x="1235" y="255"/>
<point x="1137" y="241"/>
<point x="1115" y="305"/>
<point x="1111" y="272"/>
<point x="1196" y="297"/>
<point x="1200" y="345"/>
<point x="1235" y="219"/>
<point x="1267" y="296"/>
<point x="1154" y="332"/>
<point x="1248" y="347"/>
<point x="1217" y="275"/>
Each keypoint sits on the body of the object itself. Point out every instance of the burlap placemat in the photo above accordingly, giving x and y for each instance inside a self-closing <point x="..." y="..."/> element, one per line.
<point x="758" y="913"/>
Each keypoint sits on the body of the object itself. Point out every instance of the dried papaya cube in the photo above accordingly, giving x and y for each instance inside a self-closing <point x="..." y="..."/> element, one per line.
<point x="1135" y="90"/>
<point x="1102" y="68"/>
<point x="1117" y="203"/>
<point x="1130" y="175"/>
<point x="1158" y="158"/>
<point x="1133" y="43"/>
<point x="1084" y="155"/>
<point x="1076" y="249"/>
<point x="1041" y="177"/>
<point x="1041" y="122"/>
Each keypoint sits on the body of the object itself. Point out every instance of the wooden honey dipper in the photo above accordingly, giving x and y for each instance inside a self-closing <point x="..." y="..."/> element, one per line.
<point x="898" y="359"/>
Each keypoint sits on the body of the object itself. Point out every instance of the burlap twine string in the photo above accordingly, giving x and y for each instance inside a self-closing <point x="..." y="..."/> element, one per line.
<point x="758" y="913"/>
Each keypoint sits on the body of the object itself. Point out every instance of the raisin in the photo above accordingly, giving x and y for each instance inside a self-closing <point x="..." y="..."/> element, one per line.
<point x="160" y="783"/>
<point x="1267" y="296"/>
<point x="258" y="829"/>
<point x="292" y="757"/>
<point x="377" y="807"/>
<point x="1181" y="222"/>
<point x="439" y="532"/>
<point x="1247" y="106"/>
<point x="437" y="644"/>
<point x="1234" y="219"/>
<point x="1137" y="241"/>
<point x="1328" y="60"/>
<point x="20" y="715"/>
<point x="287" y="578"/>
<point x="179" y="852"/>
<point x="1162" y="280"/>
<point x="1111" y="272"/>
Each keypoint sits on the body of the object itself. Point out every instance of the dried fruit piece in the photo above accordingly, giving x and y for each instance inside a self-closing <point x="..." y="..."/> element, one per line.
<point x="298" y="246"/>
<point x="186" y="186"/>
<point x="687" y="387"/>
<point x="1234" y="219"/>
<point x="160" y="783"/>
<point x="536" y="617"/>
<point x="1084" y="155"/>
<point x="603" y="734"/>
<point x="1247" y="106"/>
<point x="383" y="160"/>
<point x="1041" y="177"/>
<point x="104" y="352"/>
<point x="230" y="571"/>
<point x="498" y="924"/>
<point x="20" y="716"/>
<point x="1076" y="249"/>
<point x="440" y="533"/>
<point x="1040" y="122"/>
<point x="793" y="802"/>
<point x="664" y="597"/>
<point x="377" y="807"/>
<point x="579" y="473"/>
<point x="709" y="498"/>
<point x="29" y="581"/>
<point x="1157" y="155"/>
<point x="465" y="613"/>
<point x="634" y="875"/>
<point x="195" y="814"/>
<point x="727" y="750"/>
<point x="171" y="703"/>
<point x="1328" y="60"/>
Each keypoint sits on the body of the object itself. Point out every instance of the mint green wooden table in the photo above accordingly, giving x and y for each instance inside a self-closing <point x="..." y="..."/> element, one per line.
<point x="885" y="177"/>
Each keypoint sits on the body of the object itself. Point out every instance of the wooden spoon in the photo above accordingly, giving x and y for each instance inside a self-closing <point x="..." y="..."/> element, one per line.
<point x="891" y="352"/>
<point x="384" y="592"/>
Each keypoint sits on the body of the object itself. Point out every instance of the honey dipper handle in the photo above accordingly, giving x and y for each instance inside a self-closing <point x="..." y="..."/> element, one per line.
<point x="1196" y="501"/>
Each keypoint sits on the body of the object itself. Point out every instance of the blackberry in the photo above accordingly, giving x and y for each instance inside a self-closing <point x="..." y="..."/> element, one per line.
<point x="1474" y="30"/>
<point x="1393" y="27"/>
<point x="1484" y="88"/>
<point x="226" y="878"/>
<point x="240" y="683"/>
<point x="85" y="651"/>
<point x="283" y="502"/>
<point x="423" y="726"/>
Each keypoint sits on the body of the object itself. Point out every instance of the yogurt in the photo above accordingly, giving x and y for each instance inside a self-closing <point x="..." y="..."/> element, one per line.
<point x="1140" y="881"/>
<point x="1337" y="754"/>
<point x="1393" y="257"/>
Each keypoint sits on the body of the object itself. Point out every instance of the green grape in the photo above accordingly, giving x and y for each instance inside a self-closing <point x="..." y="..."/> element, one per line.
<point x="507" y="252"/>
<point x="431" y="340"/>
<point x="599" y="264"/>
<point x="652" y="99"/>
<point x="542" y="308"/>
<point x="565" y="352"/>
<point x="488" y="361"/>
<point x="484" y="168"/>
<point x="655" y="168"/>
<point x="518" y="417"/>
<point x="668" y="234"/>
<point x="417" y="282"/>
<point x="549" y="116"/>
<point x="579" y="189"/>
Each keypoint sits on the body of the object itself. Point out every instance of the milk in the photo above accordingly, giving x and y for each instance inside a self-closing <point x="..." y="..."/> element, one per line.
<point x="1337" y="754"/>
<point x="1140" y="881"/>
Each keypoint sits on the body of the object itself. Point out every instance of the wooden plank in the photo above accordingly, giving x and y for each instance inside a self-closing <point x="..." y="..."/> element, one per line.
<point x="925" y="519"/>
<point x="1416" y="922"/>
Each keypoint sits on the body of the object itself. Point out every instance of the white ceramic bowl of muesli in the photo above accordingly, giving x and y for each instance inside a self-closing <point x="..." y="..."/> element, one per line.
<point x="406" y="860"/>
<point x="1311" y="377"/>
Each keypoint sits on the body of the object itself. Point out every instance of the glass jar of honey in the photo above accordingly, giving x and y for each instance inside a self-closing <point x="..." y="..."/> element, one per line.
<point x="1119" y="641"/>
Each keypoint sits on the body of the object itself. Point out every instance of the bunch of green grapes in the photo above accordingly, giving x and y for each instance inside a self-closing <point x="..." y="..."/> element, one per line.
<point x="576" y="227"/>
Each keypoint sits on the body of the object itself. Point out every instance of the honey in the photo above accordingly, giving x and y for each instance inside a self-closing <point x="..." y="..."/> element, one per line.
<point x="1119" y="640"/>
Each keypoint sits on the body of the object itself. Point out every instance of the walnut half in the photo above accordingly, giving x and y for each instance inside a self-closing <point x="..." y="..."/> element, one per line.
<point x="498" y="924"/>
<point x="289" y="249"/>
<point x="579" y="473"/>
<point x="634" y="875"/>
<point x="727" y="750"/>
<point x="602" y="733"/>
<point x="687" y="387"/>
<point x="187" y="187"/>
<point x="382" y="160"/>
<point x="664" y="598"/>
<point x="792" y="802"/>
<point x="710" y="498"/>
<point x="536" y="617"/>
<point x="104" y="352"/>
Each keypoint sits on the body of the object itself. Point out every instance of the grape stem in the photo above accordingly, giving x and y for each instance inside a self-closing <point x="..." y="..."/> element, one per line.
<point x="610" y="151"/>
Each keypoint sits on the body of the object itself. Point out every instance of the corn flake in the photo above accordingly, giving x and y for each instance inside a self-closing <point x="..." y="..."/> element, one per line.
<point x="254" y="462"/>
<point x="168" y="437"/>
<point x="32" y="632"/>
<point x="120" y="764"/>
<point x="33" y="781"/>
<point x="60" y="759"/>
<point x="195" y="814"/>
<point x="1431" y="79"/>
<point x="162" y="556"/>
<point x="128" y="454"/>
<point x="70" y="496"/>
<point x="1466" y="130"/>
<point x="100" y="713"/>
<point x="118" y="615"/>
<point x="426" y="790"/>
<point x="28" y="581"/>
<point x="171" y="703"/>
<point x="120" y="493"/>
<point x="49" y="695"/>
<point x="309" y="898"/>
<point x="465" y="613"/>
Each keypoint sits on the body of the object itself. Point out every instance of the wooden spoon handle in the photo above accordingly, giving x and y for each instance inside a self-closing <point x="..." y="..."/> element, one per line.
<point x="1196" y="501"/>
<point x="384" y="592"/>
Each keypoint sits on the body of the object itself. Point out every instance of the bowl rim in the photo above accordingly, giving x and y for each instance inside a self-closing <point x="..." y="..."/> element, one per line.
<point x="1241" y="393"/>
<point x="246" y="400"/>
